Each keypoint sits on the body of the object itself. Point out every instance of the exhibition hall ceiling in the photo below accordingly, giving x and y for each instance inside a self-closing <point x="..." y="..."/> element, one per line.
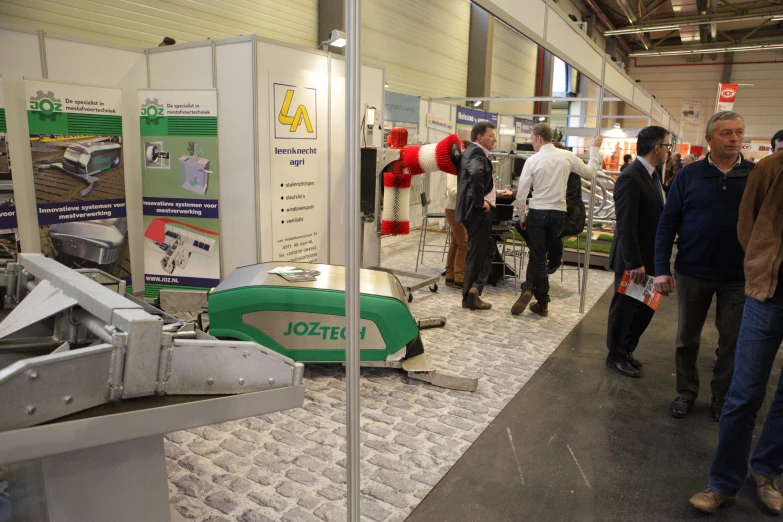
<point x="644" y="27"/>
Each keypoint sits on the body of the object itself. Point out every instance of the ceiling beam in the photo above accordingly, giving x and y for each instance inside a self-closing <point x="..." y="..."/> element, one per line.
<point x="751" y="33"/>
<point x="755" y="44"/>
<point x="655" y="6"/>
<point x="659" y="42"/>
<point x="691" y="21"/>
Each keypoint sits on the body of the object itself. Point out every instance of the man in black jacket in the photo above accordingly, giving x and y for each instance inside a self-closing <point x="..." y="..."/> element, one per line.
<point x="639" y="200"/>
<point x="475" y="182"/>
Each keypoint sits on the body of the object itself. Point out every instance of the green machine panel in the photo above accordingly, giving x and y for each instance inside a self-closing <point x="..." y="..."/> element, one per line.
<point x="306" y="320"/>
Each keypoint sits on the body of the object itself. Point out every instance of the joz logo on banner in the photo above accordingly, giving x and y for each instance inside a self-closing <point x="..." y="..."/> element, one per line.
<point x="46" y="104"/>
<point x="295" y="112"/>
<point x="728" y="93"/>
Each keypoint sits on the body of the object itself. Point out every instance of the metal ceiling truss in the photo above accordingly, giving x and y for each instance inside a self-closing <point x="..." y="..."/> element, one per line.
<point x="754" y="44"/>
<point x="690" y="21"/>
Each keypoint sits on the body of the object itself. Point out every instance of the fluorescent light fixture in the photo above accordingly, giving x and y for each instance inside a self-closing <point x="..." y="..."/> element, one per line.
<point x="616" y="125"/>
<point x="477" y="103"/>
<point x="336" y="39"/>
<point x="693" y="22"/>
<point x="541" y="118"/>
<point x="709" y="50"/>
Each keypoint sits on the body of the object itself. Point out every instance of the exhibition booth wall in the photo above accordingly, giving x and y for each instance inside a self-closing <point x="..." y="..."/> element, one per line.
<point x="251" y="78"/>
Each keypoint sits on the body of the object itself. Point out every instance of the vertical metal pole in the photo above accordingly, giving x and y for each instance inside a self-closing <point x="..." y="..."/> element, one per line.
<point x="42" y="52"/>
<point x="352" y="246"/>
<point x="586" y="267"/>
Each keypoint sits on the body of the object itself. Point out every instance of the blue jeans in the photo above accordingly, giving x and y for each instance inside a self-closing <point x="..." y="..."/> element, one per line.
<point x="760" y="336"/>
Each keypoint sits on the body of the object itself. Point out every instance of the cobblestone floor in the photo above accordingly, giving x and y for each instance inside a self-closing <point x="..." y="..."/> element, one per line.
<point x="289" y="466"/>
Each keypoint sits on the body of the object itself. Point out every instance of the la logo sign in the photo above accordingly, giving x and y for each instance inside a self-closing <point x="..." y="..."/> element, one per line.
<point x="295" y="109"/>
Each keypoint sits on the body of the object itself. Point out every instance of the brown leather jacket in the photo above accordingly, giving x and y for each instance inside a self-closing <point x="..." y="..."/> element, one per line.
<point x="760" y="227"/>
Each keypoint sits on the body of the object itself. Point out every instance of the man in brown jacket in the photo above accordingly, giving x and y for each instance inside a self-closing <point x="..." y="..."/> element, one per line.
<point x="760" y="231"/>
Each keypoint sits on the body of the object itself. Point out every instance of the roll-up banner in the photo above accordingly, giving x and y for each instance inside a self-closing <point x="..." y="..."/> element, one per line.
<point x="727" y="93"/>
<point x="76" y="147"/>
<point x="296" y="156"/>
<point x="8" y="233"/>
<point x="402" y="110"/>
<point x="467" y="118"/>
<point x="179" y="174"/>
<point x="691" y="113"/>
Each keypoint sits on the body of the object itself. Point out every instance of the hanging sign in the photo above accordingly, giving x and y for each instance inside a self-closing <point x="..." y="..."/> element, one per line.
<point x="298" y="165"/>
<point x="79" y="174"/>
<point x="7" y="207"/>
<point x="180" y="187"/>
<point x="440" y="124"/>
<point x="691" y="113"/>
<point x="523" y="129"/>
<point x="727" y="93"/>
<point x="401" y="107"/>
<point x="467" y="118"/>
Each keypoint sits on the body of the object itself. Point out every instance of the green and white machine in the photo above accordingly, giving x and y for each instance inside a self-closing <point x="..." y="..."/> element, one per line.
<point x="305" y="321"/>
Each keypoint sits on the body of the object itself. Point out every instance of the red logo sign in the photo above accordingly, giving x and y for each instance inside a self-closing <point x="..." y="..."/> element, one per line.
<point x="728" y="92"/>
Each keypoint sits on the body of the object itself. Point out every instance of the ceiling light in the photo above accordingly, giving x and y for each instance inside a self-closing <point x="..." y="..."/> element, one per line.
<point x="616" y="125"/>
<point x="693" y="22"/>
<point x="336" y="39"/>
<point x="386" y="85"/>
<point x="709" y="50"/>
<point x="477" y="103"/>
<point x="541" y="118"/>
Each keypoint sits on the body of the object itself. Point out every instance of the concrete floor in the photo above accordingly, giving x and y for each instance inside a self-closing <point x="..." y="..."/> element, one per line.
<point x="580" y="442"/>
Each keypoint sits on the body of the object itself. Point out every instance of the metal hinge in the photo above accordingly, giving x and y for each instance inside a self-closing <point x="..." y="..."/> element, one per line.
<point x="117" y="362"/>
<point x="164" y="363"/>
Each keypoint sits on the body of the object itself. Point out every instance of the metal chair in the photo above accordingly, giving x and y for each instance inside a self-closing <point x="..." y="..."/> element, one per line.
<point x="578" y="267"/>
<point x="503" y="228"/>
<point x="426" y="215"/>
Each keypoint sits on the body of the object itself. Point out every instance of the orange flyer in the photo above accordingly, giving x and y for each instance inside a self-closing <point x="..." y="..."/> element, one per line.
<point x="643" y="293"/>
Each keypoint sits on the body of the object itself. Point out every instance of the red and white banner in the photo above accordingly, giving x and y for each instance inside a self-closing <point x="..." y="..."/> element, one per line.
<point x="727" y="93"/>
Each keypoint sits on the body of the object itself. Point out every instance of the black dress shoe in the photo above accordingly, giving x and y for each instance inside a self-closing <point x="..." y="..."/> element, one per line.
<point x="551" y="269"/>
<point x="623" y="368"/>
<point x="680" y="407"/>
<point x="716" y="408"/>
<point x="636" y="363"/>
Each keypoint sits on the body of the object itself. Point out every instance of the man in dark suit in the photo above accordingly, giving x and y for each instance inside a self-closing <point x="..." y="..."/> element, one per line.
<point x="639" y="200"/>
<point x="473" y="211"/>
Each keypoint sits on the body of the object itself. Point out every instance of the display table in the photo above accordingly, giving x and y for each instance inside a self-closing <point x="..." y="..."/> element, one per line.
<point x="107" y="463"/>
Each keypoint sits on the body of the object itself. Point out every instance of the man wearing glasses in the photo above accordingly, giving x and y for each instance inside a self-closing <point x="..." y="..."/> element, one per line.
<point x="639" y="200"/>
<point x="703" y="208"/>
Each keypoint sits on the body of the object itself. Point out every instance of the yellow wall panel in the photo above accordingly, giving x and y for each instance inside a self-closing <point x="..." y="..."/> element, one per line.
<point x="144" y="23"/>
<point x="514" y="60"/>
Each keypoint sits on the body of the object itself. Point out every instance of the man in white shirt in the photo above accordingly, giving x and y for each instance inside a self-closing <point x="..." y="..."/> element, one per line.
<point x="547" y="172"/>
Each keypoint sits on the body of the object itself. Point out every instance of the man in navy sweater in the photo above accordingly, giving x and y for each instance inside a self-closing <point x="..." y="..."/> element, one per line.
<point x="703" y="208"/>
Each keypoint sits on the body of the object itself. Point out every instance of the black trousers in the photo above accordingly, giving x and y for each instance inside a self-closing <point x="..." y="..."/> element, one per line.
<point x="481" y="250"/>
<point x="694" y="297"/>
<point x="628" y="319"/>
<point x="554" y="254"/>
<point x="543" y="231"/>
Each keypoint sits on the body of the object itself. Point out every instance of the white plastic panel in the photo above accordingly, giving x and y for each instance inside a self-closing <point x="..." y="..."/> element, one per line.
<point x="618" y="83"/>
<point x="642" y="101"/>
<point x="20" y="55"/>
<point x="87" y="63"/>
<point x="571" y="47"/>
<point x="528" y="15"/>
<point x="189" y="68"/>
<point x="665" y="121"/>
<point x="372" y="92"/>
<point x="236" y="143"/>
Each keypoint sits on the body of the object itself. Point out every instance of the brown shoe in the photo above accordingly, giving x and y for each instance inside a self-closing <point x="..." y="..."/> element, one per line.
<point x="522" y="302"/>
<point x="482" y="305"/>
<point x="471" y="300"/>
<point x="768" y="492"/>
<point x="540" y="308"/>
<point x="708" y="501"/>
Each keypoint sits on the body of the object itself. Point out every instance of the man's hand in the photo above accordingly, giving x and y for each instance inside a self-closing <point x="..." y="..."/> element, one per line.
<point x="664" y="284"/>
<point x="597" y="141"/>
<point x="638" y="275"/>
<point x="486" y="207"/>
<point x="506" y="193"/>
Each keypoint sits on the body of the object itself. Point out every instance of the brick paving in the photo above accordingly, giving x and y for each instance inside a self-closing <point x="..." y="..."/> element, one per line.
<point x="289" y="465"/>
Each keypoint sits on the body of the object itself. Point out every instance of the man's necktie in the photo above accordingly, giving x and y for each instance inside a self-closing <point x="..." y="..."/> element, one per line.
<point x="658" y="186"/>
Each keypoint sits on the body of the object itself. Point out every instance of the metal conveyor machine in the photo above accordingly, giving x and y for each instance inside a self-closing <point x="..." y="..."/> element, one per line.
<point x="90" y="380"/>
